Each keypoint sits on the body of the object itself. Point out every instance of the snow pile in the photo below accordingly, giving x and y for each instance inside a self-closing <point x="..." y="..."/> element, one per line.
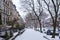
<point x="31" y="34"/>
<point x="14" y="35"/>
<point x="49" y="37"/>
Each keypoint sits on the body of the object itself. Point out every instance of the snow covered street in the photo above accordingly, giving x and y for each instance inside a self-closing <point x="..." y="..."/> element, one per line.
<point x="31" y="34"/>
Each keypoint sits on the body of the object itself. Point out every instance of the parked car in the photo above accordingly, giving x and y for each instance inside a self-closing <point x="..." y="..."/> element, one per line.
<point x="3" y="32"/>
<point x="44" y="30"/>
<point x="15" y="30"/>
<point x="50" y="32"/>
<point x="37" y="30"/>
<point x="2" y="38"/>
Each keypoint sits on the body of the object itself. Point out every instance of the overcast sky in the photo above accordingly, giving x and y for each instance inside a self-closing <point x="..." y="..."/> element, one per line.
<point x="18" y="5"/>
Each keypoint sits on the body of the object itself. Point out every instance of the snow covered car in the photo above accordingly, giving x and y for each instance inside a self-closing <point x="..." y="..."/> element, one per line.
<point x="3" y="32"/>
<point x="2" y="38"/>
<point x="44" y="30"/>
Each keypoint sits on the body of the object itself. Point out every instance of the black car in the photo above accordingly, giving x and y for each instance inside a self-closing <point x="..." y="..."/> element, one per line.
<point x="50" y="32"/>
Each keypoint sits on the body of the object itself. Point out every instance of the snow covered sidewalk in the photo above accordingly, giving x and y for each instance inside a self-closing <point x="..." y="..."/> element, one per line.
<point x="49" y="37"/>
<point x="31" y="34"/>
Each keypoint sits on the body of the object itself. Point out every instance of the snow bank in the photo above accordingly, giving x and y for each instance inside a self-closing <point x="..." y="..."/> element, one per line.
<point x="49" y="37"/>
<point x="14" y="35"/>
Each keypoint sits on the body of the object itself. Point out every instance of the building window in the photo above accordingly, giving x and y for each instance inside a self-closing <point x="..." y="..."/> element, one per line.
<point x="0" y="16"/>
<point x="3" y="0"/>
<point x="4" y="20"/>
<point x="0" y="19"/>
<point x="0" y="5"/>
<point x="4" y="9"/>
<point x="7" y="11"/>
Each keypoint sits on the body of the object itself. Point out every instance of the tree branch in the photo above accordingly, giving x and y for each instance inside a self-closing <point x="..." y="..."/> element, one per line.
<point x="57" y="5"/>
<point x="33" y="8"/>
<point x="49" y="10"/>
<point x="40" y="8"/>
<point x="54" y="6"/>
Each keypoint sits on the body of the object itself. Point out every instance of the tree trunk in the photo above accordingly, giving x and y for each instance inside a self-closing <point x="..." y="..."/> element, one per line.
<point x="54" y="30"/>
<point x="54" y="26"/>
<point x="40" y="26"/>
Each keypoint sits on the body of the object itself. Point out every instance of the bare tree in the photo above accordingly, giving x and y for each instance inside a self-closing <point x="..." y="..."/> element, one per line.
<point x="32" y="8"/>
<point x="29" y="20"/>
<point x="55" y="4"/>
<point x="38" y="16"/>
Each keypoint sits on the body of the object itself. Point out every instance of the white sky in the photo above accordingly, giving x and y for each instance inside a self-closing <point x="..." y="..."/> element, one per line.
<point x="18" y="5"/>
